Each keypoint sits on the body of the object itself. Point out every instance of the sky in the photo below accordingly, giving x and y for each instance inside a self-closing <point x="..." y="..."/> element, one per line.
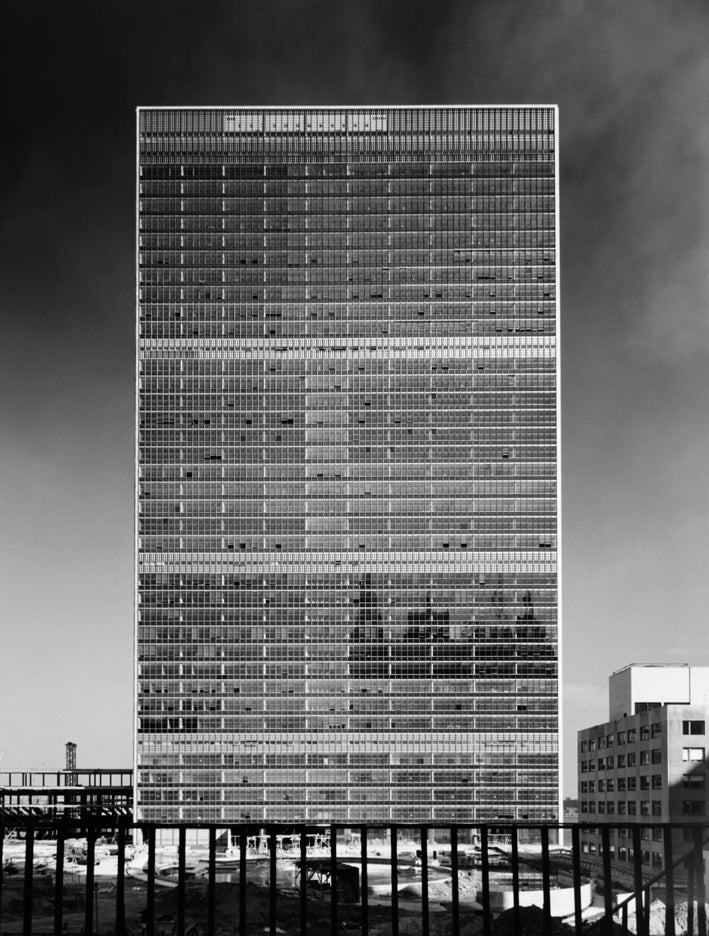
<point x="631" y="80"/>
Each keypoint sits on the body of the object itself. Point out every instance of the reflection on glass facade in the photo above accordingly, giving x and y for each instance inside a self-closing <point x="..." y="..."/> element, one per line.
<point x="347" y="464"/>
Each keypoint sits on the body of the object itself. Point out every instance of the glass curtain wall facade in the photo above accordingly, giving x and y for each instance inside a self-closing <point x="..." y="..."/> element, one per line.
<point x="347" y="502"/>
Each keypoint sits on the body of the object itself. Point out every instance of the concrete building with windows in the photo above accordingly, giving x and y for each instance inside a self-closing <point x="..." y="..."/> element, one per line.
<point x="347" y="464"/>
<point x="647" y="764"/>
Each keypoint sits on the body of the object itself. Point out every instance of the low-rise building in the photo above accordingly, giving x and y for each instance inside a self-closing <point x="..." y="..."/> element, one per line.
<point x="648" y="763"/>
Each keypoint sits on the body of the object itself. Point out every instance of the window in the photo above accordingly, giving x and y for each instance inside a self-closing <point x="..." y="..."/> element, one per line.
<point x="584" y="786"/>
<point x="656" y="756"/>
<point x="592" y="744"/>
<point x="644" y="807"/>
<point x="610" y="807"/>
<point x="693" y="727"/>
<point x="584" y="766"/>
<point x="601" y="807"/>
<point x="591" y="786"/>
<point x="591" y="807"/>
<point x="584" y="747"/>
<point x="693" y="781"/>
<point x="656" y="807"/>
<point x="610" y="762"/>
<point x="693" y="808"/>
<point x="601" y="743"/>
<point x="601" y="763"/>
<point x="657" y="781"/>
<point x="621" y="784"/>
<point x="592" y="765"/>
<point x="693" y="754"/>
<point x="655" y="730"/>
<point x="632" y="759"/>
<point x="610" y="740"/>
<point x="584" y="806"/>
<point x="631" y="736"/>
<point x="632" y="783"/>
<point x="601" y="786"/>
<point x="621" y="737"/>
<point x="621" y="808"/>
<point x="621" y="760"/>
<point x="644" y="732"/>
<point x="632" y="808"/>
<point x="644" y="758"/>
<point x="645" y="783"/>
<point x="610" y="785"/>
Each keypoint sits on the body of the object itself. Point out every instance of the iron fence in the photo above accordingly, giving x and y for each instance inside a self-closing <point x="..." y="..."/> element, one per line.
<point x="208" y="879"/>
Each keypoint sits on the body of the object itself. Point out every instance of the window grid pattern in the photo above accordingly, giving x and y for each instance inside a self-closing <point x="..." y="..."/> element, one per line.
<point x="347" y="465"/>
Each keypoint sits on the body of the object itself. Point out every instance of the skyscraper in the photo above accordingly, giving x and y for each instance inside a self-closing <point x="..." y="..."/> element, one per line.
<point x="347" y="464"/>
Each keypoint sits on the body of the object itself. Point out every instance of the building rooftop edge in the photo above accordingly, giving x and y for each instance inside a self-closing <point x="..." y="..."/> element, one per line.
<point x="306" y="107"/>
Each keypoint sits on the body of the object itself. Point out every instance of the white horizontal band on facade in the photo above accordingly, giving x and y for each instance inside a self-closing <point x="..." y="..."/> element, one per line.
<point x="215" y="349"/>
<point x="407" y="742"/>
<point x="284" y="562"/>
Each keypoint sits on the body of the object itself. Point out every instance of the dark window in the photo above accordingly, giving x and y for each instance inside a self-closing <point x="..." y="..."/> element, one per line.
<point x="693" y="808"/>
<point x="693" y="727"/>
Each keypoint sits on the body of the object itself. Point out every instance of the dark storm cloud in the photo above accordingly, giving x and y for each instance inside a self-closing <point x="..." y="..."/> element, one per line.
<point x="632" y="81"/>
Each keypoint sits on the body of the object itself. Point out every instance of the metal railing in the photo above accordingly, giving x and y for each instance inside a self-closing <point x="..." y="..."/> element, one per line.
<point x="122" y="878"/>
